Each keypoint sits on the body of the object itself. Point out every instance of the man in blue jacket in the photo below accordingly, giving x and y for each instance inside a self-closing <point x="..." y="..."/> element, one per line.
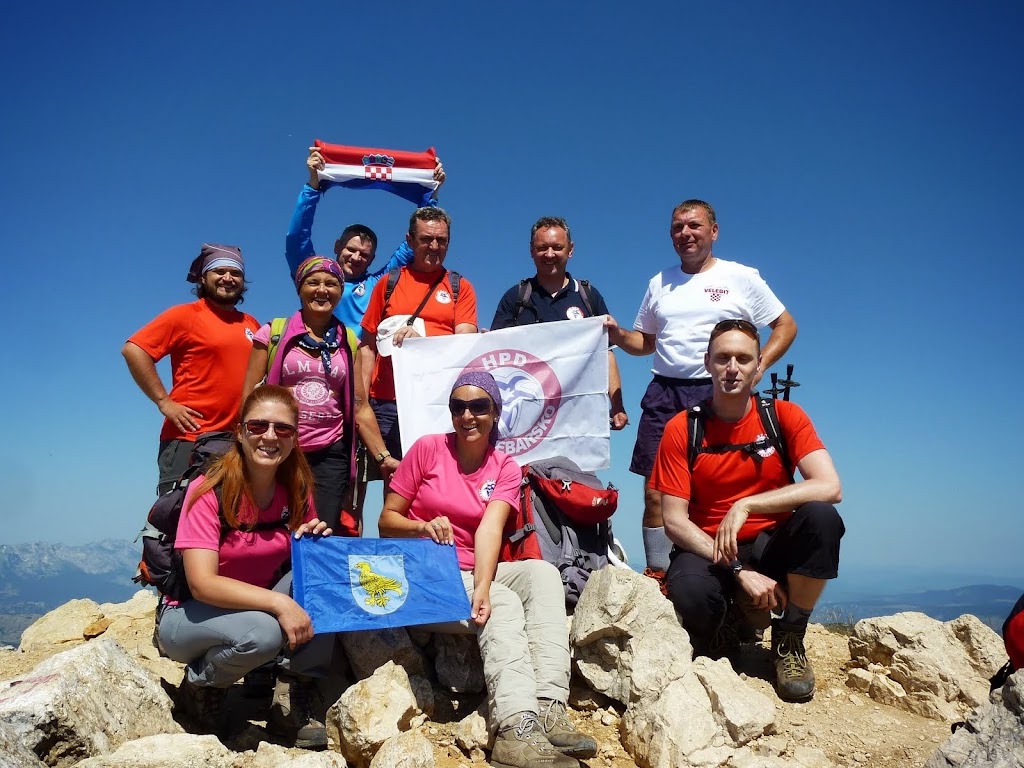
<point x="355" y="250"/>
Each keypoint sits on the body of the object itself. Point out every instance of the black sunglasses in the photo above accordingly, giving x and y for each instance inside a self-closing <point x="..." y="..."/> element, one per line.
<point x="260" y="426"/>
<point x="479" y="406"/>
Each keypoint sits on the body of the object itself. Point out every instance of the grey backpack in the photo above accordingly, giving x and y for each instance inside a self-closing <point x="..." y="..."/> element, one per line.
<point x="571" y="511"/>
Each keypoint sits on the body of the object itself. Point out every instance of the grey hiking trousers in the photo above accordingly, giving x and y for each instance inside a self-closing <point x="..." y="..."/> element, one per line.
<point x="220" y="646"/>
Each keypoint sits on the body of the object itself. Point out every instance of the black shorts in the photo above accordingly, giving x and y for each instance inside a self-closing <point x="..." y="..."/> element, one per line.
<point x="665" y="397"/>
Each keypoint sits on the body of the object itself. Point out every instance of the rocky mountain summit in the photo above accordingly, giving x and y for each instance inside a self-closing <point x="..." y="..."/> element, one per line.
<point x="88" y="688"/>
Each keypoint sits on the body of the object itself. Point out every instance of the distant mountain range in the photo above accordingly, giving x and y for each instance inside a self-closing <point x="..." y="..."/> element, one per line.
<point x="989" y="602"/>
<point x="37" y="577"/>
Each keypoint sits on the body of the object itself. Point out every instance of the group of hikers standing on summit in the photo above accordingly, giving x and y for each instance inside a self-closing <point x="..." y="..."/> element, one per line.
<point x="736" y="541"/>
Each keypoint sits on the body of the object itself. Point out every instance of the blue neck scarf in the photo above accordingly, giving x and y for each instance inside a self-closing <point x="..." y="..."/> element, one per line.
<point x="326" y="348"/>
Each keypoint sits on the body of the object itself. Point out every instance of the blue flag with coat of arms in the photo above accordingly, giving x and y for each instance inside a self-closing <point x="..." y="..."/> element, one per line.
<point x="346" y="584"/>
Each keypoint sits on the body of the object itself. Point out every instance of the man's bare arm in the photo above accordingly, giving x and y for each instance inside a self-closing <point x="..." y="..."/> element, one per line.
<point x="779" y="341"/>
<point x="820" y="483"/>
<point x="632" y="342"/>
<point x="681" y="530"/>
<point x="143" y="370"/>
<point x="617" y="410"/>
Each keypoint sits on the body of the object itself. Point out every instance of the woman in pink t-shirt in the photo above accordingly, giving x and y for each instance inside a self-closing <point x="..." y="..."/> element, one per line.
<point x="313" y="359"/>
<point x="458" y="490"/>
<point x="235" y="541"/>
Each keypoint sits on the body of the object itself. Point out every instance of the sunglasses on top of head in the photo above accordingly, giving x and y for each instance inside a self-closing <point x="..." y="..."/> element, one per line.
<point x="479" y="406"/>
<point x="260" y="427"/>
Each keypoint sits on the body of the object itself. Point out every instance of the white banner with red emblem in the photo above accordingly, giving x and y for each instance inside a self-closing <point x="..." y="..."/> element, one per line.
<point x="553" y="379"/>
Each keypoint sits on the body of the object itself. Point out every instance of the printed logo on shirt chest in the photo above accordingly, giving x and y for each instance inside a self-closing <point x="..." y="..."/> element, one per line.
<point x="486" y="490"/>
<point x="443" y="297"/>
<point x="764" y="448"/>
<point x="574" y="313"/>
<point x="249" y="335"/>
<point x="360" y="289"/>
<point x="716" y="294"/>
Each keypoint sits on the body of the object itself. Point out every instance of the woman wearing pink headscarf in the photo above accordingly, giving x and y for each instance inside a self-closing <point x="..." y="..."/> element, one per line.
<point x="313" y="358"/>
<point x="457" y="489"/>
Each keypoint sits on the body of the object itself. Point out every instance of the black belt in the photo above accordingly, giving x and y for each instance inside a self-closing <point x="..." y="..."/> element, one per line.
<point x="681" y="382"/>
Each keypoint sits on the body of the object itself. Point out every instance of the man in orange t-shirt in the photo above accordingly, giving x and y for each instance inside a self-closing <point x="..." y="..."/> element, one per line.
<point x="423" y="303"/>
<point x="745" y="532"/>
<point x="209" y="342"/>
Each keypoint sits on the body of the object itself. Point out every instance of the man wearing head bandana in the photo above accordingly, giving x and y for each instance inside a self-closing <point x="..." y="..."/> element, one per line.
<point x="209" y="342"/>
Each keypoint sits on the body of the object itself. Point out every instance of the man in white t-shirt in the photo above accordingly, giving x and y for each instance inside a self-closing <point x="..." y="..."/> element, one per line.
<point x="676" y="316"/>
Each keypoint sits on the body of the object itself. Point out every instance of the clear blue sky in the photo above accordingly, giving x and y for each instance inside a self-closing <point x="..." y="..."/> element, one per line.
<point x="866" y="160"/>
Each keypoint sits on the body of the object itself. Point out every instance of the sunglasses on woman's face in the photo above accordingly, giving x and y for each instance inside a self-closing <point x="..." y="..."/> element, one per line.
<point x="260" y="426"/>
<point x="480" y="406"/>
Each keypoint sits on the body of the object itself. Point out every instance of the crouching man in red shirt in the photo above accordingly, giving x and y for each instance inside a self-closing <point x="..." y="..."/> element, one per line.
<point x="748" y="537"/>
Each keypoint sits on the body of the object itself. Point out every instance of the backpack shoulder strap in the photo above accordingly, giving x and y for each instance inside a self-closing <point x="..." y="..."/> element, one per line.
<point x="456" y="282"/>
<point x="522" y="299"/>
<point x="353" y="340"/>
<point x="694" y="433"/>
<point x="277" y="326"/>
<point x="773" y="429"/>
<point x="585" y="296"/>
<point x="392" y="282"/>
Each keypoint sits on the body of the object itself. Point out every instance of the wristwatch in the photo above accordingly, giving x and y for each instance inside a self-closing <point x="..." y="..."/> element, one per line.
<point x="736" y="566"/>
<point x="381" y="456"/>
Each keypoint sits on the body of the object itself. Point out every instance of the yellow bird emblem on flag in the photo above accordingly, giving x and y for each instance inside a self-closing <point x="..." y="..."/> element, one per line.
<point x="376" y="585"/>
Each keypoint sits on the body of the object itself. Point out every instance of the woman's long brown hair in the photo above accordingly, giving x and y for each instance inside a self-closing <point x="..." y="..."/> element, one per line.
<point x="231" y="474"/>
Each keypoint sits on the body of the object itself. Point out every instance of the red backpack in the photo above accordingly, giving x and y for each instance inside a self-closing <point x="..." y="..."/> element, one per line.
<point x="564" y="518"/>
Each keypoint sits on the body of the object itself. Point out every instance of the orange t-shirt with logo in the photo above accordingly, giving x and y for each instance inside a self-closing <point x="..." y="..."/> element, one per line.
<point x="721" y="479"/>
<point x="209" y="349"/>
<point x="440" y="315"/>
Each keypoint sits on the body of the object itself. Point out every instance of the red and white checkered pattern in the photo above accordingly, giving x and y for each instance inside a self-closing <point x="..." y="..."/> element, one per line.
<point x="378" y="172"/>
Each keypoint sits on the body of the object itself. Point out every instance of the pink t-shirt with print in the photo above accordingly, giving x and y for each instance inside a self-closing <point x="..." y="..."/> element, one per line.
<point x="429" y="476"/>
<point x="253" y="557"/>
<point x="320" y="418"/>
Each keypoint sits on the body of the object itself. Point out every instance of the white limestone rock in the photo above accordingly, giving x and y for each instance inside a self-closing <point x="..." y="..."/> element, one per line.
<point x="628" y="643"/>
<point x="62" y="627"/>
<point x="375" y="709"/>
<point x="407" y="750"/>
<point x="942" y="668"/>
<point x="180" y="750"/>
<point x="84" y="702"/>
<point x="369" y="649"/>
<point x="745" y="713"/>
<point x="993" y="735"/>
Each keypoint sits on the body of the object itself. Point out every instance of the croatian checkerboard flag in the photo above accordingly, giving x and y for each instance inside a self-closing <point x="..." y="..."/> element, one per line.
<point x="553" y="379"/>
<point x="409" y="175"/>
<point x="345" y="584"/>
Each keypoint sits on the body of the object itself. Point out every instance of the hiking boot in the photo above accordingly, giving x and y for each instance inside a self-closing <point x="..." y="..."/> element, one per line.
<point x="794" y="677"/>
<point x="724" y="644"/>
<point x="203" y="705"/>
<point x="555" y="722"/>
<point x="293" y="713"/>
<point x="524" y="745"/>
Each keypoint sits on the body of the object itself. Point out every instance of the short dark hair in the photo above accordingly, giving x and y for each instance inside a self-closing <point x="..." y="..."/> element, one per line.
<point x="361" y="231"/>
<point x="429" y="213"/>
<point x="745" y="327"/>
<point x="692" y="204"/>
<point x="547" y="222"/>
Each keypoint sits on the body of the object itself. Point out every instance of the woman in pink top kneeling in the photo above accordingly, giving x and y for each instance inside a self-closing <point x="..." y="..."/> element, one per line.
<point x="457" y="489"/>
<point x="235" y="540"/>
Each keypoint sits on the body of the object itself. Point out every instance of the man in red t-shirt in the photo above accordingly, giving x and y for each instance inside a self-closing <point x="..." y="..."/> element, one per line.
<point x="209" y="342"/>
<point x="745" y="532"/>
<point x="423" y="303"/>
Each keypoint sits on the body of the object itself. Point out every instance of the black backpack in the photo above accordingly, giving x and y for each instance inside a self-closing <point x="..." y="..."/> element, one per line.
<point x="772" y="436"/>
<point x="571" y="513"/>
<point x="161" y="565"/>
<point x="526" y="291"/>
